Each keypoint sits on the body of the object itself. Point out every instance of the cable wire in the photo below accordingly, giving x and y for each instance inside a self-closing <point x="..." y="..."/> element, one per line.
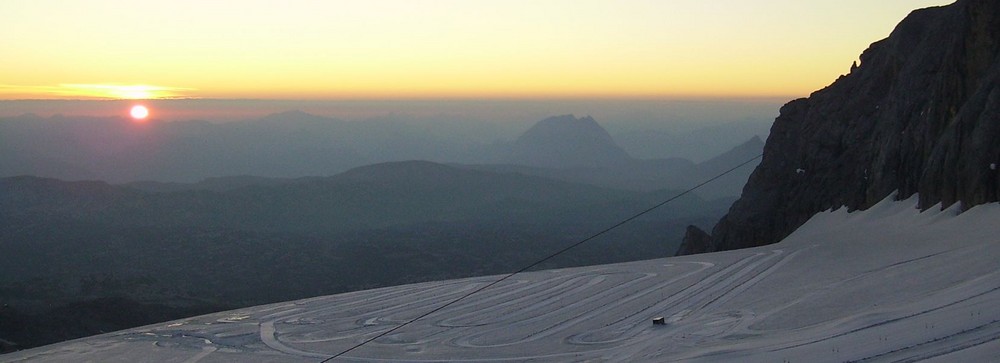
<point x="541" y="261"/>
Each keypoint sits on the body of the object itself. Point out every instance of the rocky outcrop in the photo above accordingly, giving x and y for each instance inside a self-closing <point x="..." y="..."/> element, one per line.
<point x="920" y="114"/>
<point x="695" y="241"/>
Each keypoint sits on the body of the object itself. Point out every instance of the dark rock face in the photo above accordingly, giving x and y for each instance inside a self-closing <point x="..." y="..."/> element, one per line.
<point x="567" y="142"/>
<point x="920" y="114"/>
<point x="695" y="241"/>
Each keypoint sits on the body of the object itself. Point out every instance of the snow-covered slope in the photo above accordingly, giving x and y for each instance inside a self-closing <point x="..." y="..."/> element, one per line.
<point x="886" y="284"/>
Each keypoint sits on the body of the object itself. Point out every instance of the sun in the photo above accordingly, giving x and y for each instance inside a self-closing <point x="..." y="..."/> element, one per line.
<point x="139" y="112"/>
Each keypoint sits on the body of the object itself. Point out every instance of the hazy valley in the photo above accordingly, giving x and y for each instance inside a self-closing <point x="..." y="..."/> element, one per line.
<point x="166" y="249"/>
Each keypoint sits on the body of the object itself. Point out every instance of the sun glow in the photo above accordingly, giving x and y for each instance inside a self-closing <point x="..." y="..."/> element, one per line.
<point x="95" y="91"/>
<point x="127" y="92"/>
<point x="139" y="112"/>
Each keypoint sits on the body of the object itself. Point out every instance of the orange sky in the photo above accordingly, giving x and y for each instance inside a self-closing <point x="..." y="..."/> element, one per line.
<point x="299" y="49"/>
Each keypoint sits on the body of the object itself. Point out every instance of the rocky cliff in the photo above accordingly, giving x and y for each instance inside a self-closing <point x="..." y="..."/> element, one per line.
<point x="919" y="114"/>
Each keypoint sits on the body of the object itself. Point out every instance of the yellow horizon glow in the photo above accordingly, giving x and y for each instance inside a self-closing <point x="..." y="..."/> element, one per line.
<point x="434" y="49"/>
<point x="100" y="91"/>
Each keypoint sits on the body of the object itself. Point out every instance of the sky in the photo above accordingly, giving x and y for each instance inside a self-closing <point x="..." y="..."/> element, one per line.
<point x="441" y="49"/>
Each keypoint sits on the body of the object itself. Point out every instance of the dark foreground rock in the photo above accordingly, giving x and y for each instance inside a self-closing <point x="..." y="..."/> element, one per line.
<point x="920" y="114"/>
<point x="695" y="241"/>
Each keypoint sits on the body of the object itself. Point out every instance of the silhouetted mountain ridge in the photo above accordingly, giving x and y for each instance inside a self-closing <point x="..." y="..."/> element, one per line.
<point x="656" y="174"/>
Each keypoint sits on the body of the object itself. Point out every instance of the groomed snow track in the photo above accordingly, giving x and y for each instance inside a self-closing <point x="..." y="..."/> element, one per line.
<point x="888" y="284"/>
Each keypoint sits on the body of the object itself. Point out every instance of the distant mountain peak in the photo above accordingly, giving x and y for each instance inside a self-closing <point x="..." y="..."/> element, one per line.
<point x="566" y="141"/>
<point x="568" y="124"/>
<point x="568" y="118"/>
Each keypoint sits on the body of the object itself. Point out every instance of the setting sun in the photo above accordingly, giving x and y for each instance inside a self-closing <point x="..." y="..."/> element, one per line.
<point x="139" y="112"/>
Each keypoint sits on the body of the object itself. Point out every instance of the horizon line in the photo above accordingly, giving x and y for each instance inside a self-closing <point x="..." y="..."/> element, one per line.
<point x="429" y="99"/>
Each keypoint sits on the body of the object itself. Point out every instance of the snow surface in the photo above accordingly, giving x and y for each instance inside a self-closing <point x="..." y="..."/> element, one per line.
<point x="886" y="284"/>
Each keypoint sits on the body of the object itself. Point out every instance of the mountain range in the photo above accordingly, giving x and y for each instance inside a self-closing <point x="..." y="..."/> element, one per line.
<point x="297" y="144"/>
